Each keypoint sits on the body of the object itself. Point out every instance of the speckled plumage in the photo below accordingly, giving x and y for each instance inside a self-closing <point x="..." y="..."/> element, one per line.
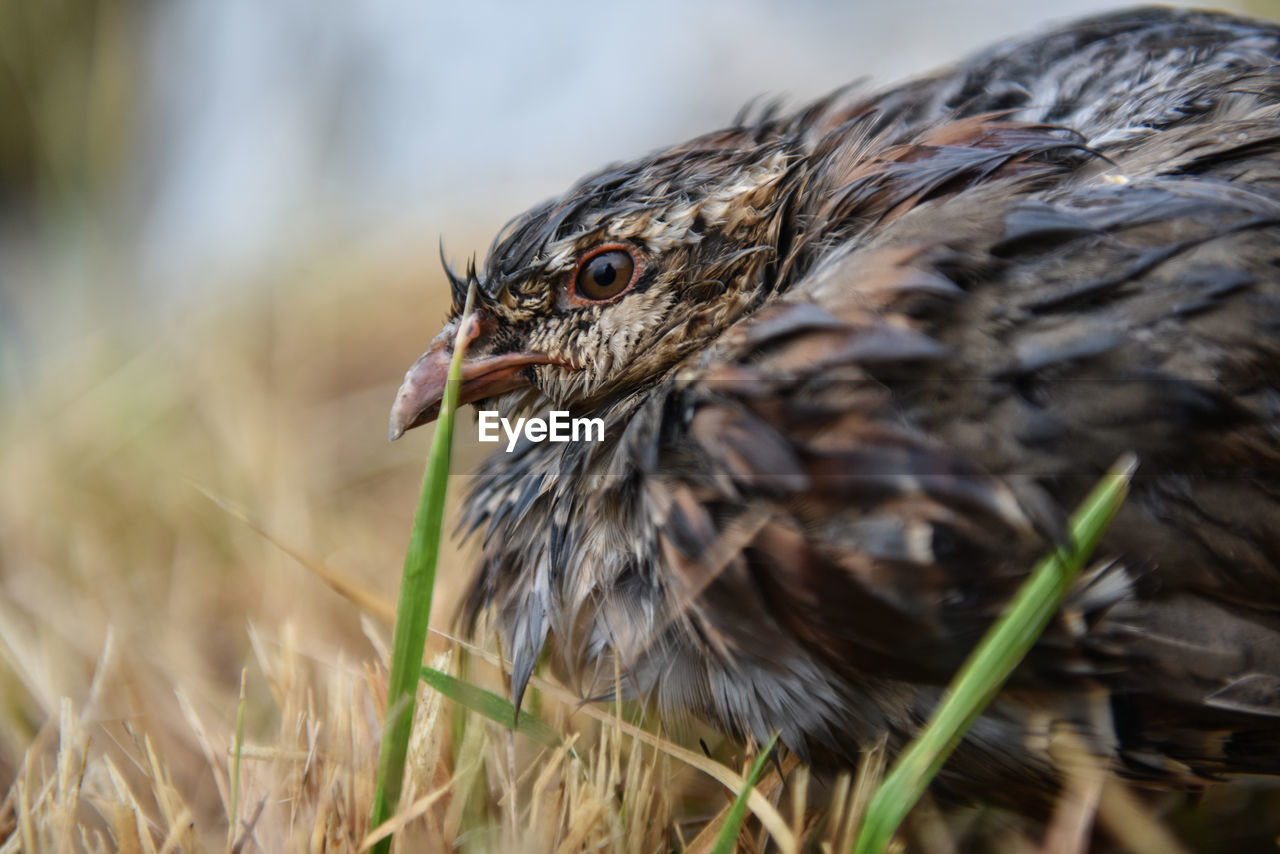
<point x="874" y="353"/>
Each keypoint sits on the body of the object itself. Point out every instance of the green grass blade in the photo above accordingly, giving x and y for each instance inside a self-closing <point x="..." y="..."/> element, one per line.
<point x="991" y="662"/>
<point x="488" y="704"/>
<point x="414" y="609"/>
<point x="728" y="835"/>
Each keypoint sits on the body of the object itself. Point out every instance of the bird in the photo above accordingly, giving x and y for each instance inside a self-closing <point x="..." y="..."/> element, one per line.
<point x="857" y="362"/>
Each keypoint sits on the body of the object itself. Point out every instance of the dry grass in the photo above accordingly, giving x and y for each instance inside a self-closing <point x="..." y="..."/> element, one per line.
<point x="130" y="602"/>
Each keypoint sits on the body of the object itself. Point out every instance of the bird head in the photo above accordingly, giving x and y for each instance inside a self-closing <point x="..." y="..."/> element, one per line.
<point x="608" y="287"/>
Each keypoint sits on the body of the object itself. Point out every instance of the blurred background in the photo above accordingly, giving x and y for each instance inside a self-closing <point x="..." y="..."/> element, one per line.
<point x="219" y="226"/>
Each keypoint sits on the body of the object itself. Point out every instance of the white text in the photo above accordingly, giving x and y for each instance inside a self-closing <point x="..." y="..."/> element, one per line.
<point x="558" y="428"/>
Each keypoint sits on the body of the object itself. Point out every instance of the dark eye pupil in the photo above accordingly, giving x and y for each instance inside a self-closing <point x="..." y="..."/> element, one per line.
<point x="603" y="273"/>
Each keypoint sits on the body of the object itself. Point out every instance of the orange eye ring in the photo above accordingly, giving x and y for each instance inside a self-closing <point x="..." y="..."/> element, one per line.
<point x="604" y="274"/>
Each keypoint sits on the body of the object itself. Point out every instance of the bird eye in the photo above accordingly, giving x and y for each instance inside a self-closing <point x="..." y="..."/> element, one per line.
<point x="605" y="274"/>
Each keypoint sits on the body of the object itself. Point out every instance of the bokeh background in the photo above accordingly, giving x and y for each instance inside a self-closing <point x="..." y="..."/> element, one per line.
<point x="219" y="226"/>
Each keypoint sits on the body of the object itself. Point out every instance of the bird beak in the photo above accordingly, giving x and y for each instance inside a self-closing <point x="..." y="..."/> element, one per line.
<point x="418" y="400"/>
